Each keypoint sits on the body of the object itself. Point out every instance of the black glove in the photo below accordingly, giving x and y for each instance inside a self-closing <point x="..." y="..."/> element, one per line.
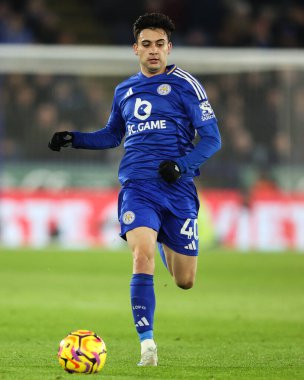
<point x="60" y="140"/>
<point x="169" y="171"/>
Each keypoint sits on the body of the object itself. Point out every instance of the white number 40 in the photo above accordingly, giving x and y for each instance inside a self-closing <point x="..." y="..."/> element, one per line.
<point x="189" y="230"/>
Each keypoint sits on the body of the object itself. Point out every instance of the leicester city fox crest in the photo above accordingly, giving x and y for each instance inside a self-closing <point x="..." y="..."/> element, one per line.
<point x="128" y="217"/>
<point x="164" y="89"/>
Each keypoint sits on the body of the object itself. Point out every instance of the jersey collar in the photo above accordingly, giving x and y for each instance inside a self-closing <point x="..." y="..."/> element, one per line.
<point x="169" y="70"/>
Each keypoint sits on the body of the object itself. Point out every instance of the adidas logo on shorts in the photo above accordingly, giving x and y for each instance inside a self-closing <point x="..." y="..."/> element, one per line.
<point x="191" y="246"/>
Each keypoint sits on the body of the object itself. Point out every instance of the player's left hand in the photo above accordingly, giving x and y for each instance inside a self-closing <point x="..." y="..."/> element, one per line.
<point x="169" y="171"/>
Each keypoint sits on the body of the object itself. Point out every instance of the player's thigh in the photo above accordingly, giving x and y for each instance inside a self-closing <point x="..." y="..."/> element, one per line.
<point x="182" y="267"/>
<point x="142" y="240"/>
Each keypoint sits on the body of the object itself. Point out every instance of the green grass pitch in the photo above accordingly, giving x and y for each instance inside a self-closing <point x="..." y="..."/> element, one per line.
<point x="244" y="319"/>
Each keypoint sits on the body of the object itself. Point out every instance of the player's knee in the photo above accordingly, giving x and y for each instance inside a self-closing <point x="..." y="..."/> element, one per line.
<point x="143" y="252"/>
<point x="143" y="259"/>
<point x="185" y="284"/>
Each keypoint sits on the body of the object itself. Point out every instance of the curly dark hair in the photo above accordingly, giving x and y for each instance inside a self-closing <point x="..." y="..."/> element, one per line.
<point x="153" y="21"/>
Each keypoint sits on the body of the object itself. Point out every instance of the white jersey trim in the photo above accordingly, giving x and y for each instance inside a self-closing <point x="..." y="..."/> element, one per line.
<point x="194" y="80"/>
<point x="200" y="93"/>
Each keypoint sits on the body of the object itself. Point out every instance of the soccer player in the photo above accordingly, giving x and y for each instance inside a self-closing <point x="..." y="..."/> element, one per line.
<point x="158" y="111"/>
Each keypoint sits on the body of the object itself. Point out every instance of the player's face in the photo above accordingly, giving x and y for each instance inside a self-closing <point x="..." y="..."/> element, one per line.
<point x="152" y="48"/>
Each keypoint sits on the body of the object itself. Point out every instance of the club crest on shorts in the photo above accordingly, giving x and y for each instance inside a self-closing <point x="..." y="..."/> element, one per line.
<point x="164" y="89"/>
<point x="128" y="217"/>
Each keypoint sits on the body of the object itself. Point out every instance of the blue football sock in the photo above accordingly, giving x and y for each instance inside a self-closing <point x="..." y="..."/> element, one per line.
<point x="146" y="335"/>
<point x="143" y="304"/>
<point x="162" y="254"/>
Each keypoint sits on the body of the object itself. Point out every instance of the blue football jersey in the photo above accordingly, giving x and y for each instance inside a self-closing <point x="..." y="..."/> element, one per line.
<point x="158" y="117"/>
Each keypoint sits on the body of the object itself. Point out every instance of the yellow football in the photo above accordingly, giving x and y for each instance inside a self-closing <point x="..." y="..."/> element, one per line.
<point x="82" y="351"/>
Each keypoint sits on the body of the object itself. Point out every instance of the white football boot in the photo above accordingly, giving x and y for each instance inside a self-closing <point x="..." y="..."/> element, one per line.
<point x="148" y="354"/>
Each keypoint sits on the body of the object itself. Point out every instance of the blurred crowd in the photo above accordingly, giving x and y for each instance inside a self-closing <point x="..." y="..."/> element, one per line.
<point x="31" y="21"/>
<point x="226" y="23"/>
<point x="35" y="106"/>
<point x="221" y="23"/>
<point x="258" y="118"/>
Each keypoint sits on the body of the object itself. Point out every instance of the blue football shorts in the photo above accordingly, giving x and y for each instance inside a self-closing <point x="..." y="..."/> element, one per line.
<point x="171" y="210"/>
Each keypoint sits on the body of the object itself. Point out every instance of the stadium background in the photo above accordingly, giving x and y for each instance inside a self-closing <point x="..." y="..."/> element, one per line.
<point x="252" y="191"/>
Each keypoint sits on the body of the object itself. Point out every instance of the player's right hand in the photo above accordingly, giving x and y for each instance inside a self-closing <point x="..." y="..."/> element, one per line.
<point x="60" y="140"/>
